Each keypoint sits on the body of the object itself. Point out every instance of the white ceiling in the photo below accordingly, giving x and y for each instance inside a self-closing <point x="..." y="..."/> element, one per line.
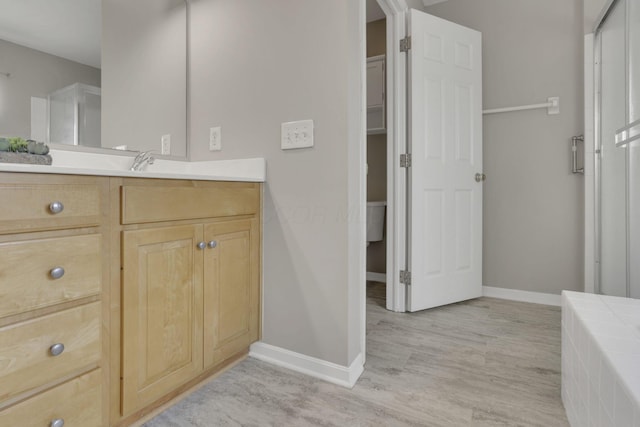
<point x="67" y="28"/>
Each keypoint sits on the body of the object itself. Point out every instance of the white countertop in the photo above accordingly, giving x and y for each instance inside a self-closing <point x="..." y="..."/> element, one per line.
<point x="81" y="163"/>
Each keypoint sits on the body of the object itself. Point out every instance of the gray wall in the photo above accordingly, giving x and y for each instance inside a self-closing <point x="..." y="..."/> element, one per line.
<point x="144" y="75"/>
<point x="416" y="4"/>
<point x="256" y="64"/>
<point x="33" y="73"/>
<point x="592" y="11"/>
<point x="533" y="221"/>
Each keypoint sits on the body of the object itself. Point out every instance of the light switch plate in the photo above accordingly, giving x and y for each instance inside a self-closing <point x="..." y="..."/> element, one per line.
<point x="215" y="138"/>
<point x="297" y="134"/>
<point x="165" y="147"/>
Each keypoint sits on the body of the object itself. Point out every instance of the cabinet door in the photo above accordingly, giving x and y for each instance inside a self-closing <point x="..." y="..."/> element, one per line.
<point x="376" y="94"/>
<point x="231" y="290"/>
<point x="375" y="81"/>
<point x="162" y="312"/>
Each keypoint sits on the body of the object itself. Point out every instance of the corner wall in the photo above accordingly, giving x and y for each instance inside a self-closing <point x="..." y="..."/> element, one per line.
<point x="533" y="205"/>
<point x="254" y="65"/>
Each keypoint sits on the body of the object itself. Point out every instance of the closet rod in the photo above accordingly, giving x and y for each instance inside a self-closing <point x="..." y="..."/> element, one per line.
<point x="552" y="105"/>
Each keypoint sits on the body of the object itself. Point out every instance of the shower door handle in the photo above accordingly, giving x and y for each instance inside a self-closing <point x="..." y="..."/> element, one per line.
<point x="574" y="154"/>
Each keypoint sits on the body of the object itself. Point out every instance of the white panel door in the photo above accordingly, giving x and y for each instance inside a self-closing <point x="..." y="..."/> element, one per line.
<point x="445" y="223"/>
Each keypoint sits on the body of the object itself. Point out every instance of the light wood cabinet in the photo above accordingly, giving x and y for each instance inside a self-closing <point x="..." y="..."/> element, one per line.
<point x="190" y="284"/>
<point x="78" y="403"/>
<point x="162" y="312"/>
<point x="153" y="203"/>
<point x="28" y="206"/>
<point x="123" y="295"/>
<point x="51" y="314"/>
<point x="26" y="348"/>
<point x="232" y="289"/>
<point x="77" y="258"/>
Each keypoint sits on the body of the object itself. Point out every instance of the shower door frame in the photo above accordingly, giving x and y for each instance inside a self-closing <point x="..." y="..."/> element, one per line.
<point x="593" y="258"/>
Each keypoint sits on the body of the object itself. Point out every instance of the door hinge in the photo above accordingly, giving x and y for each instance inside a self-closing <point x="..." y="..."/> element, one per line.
<point x="405" y="44"/>
<point x="405" y="277"/>
<point x="405" y="160"/>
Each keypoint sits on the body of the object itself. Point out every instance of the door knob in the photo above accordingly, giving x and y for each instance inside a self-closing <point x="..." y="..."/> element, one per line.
<point x="58" y="422"/>
<point x="213" y="244"/>
<point x="56" y="349"/>
<point x="202" y="245"/>
<point x="481" y="177"/>
<point x="56" y="207"/>
<point x="56" y="273"/>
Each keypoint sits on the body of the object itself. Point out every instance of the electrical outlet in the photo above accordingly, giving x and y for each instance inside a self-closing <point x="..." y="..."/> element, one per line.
<point x="165" y="147"/>
<point x="297" y="134"/>
<point x="215" y="139"/>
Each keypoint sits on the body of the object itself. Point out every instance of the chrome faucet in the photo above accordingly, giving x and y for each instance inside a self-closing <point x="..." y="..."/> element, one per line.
<point x="142" y="159"/>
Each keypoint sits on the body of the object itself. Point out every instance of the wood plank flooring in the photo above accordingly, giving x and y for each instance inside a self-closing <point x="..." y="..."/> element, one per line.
<point x="485" y="362"/>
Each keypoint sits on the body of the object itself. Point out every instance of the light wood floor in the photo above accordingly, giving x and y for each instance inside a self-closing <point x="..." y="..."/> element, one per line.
<point x="485" y="362"/>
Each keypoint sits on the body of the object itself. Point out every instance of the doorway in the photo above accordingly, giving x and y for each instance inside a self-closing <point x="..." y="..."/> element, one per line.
<point x="388" y="18"/>
<point x="376" y="119"/>
<point x="432" y="240"/>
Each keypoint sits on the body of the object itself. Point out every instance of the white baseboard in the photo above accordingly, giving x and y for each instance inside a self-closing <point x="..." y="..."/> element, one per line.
<point x="345" y="376"/>
<point x="523" y="296"/>
<point x="376" y="277"/>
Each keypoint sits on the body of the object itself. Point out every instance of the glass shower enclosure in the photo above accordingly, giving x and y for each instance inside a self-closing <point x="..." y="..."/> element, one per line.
<point x="74" y="115"/>
<point x="617" y="54"/>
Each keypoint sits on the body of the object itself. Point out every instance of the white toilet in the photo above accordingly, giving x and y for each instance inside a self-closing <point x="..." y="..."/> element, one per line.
<point x="375" y="221"/>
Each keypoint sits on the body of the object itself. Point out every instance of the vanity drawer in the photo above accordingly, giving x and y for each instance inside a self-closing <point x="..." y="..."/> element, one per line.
<point x="28" y="268"/>
<point x="141" y="204"/>
<point x="30" y="207"/>
<point x="26" y="356"/>
<point x="77" y="402"/>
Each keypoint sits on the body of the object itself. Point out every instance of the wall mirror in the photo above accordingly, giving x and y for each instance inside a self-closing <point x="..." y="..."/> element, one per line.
<point x="95" y="74"/>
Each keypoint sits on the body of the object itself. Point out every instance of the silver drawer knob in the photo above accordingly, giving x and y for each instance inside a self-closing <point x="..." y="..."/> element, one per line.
<point x="213" y="244"/>
<point x="202" y="245"/>
<point x="56" y="349"/>
<point x="56" y="272"/>
<point x="56" y="207"/>
<point x="58" y="422"/>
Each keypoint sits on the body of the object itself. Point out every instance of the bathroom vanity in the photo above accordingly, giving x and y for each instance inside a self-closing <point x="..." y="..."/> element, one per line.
<point x="119" y="293"/>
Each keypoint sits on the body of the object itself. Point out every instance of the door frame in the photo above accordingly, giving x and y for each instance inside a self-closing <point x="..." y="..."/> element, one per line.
<point x="591" y="172"/>
<point x="396" y="216"/>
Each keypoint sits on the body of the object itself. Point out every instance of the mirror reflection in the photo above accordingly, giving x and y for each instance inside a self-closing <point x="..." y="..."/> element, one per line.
<point x="95" y="73"/>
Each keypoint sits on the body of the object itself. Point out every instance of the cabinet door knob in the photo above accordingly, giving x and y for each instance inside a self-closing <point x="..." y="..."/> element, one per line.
<point x="56" y="349"/>
<point x="213" y="244"/>
<point x="58" y="422"/>
<point x="56" y="273"/>
<point x="202" y="245"/>
<point x="56" y="207"/>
